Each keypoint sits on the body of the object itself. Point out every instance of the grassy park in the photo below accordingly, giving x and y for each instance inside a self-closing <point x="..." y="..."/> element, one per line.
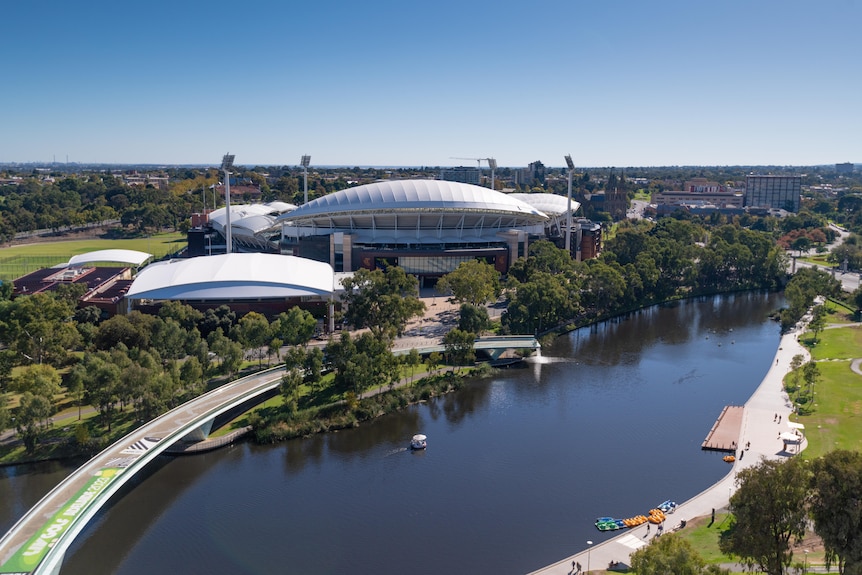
<point x="18" y="260"/>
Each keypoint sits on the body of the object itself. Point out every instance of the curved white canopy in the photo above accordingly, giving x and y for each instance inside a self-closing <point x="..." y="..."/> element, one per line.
<point x="551" y="204"/>
<point x="123" y="256"/>
<point x="233" y="276"/>
<point x="419" y="196"/>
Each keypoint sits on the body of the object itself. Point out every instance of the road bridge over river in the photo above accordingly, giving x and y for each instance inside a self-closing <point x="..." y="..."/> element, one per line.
<point x="37" y="543"/>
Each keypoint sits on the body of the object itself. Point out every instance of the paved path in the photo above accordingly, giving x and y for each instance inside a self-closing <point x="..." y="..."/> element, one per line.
<point x="758" y="427"/>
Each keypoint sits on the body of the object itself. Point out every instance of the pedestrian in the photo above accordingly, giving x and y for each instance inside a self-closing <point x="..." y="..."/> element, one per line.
<point x="647" y="528"/>
<point x="779" y="419"/>
<point x="573" y="565"/>
<point x="579" y="567"/>
<point x="774" y="418"/>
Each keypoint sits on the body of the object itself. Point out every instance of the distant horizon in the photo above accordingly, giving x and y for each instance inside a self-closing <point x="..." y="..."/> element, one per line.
<point x="48" y="165"/>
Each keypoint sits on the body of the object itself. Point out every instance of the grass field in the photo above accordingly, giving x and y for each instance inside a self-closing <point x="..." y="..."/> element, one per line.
<point x="16" y="261"/>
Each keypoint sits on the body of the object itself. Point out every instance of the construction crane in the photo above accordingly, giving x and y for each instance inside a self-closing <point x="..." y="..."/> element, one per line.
<point x="492" y="163"/>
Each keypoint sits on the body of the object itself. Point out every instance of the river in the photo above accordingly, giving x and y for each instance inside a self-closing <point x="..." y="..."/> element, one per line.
<point x="609" y="421"/>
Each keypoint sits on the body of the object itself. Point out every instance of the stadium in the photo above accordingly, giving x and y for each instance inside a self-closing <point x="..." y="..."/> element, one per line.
<point x="426" y="227"/>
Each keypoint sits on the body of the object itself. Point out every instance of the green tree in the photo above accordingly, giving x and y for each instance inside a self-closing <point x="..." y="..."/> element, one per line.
<point x="192" y="375"/>
<point x="42" y="380"/>
<point x="313" y="366"/>
<point x="290" y="382"/>
<point x="473" y="282"/>
<point x="459" y="346"/>
<point x="433" y="361"/>
<point x="768" y="511"/>
<point x="810" y="374"/>
<point x="254" y="332"/>
<point x="295" y="326"/>
<point x="836" y="507"/>
<point x="412" y="359"/>
<point x="31" y="418"/>
<point x="102" y="384"/>
<point x="473" y="318"/>
<point x="818" y="321"/>
<point x="382" y="301"/>
<point x="670" y="554"/>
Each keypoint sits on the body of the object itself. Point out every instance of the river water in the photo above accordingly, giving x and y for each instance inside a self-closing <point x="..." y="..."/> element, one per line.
<point x="609" y="421"/>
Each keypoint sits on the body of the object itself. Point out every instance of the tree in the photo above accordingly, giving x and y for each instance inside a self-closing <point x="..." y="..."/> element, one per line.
<point x="413" y="359"/>
<point x="254" y="331"/>
<point x="473" y="319"/>
<point x="818" y="321"/>
<point x="295" y="326"/>
<point x="434" y="359"/>
<point x="382" y="301"/>
<point x="836" y="507"/>
<point x="31" y="419"/>
<point x="810" y="374"/>
<point x="102" y="384"/>
<point x="459" y="346"/>
<point x="670" y="554"/>
<point x="768" y="511"/>
<point x="192" y="375"/>
<point x="313" y="366"/>
<point x="42" y="380"/>
<point x="473" y="282"/>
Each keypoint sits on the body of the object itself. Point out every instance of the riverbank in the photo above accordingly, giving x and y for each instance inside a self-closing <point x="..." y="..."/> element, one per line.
<point x="759" y="429"/>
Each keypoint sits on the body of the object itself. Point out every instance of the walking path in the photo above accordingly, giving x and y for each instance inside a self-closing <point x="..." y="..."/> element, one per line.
<point x="760" y="427"/>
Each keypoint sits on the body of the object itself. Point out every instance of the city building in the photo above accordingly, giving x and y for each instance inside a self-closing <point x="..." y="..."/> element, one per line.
<point x="461" y="174"/>
<point x="845" y="168"/>
<point x="767" y="191"/>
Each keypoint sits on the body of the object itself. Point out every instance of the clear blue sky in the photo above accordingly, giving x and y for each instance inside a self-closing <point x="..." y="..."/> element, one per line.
<point x="395" y="83"/>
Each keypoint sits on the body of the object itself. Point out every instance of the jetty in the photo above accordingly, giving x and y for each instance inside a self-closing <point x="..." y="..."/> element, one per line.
<point x="724" y="435"/>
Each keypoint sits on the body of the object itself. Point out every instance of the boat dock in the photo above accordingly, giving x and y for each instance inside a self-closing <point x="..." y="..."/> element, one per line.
<point x="724" y="435"/>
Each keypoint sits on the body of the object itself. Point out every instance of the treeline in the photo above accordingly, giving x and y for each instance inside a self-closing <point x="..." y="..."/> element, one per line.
<point x="642" y="264"/>
<point x="129" y="367"/>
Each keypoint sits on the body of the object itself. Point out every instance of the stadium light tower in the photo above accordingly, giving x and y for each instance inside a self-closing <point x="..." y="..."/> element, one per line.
<point x="226" y="165"/>
<point x="304" y="163"/>
<point x="571" y="166"/>
<point x="492" y="163"/>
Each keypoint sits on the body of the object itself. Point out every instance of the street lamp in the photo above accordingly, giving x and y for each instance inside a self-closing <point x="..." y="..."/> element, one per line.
<point x="304" y="163"/>
<point x="571" y="166"/>
<point x="589" y="546"/>
<point x="226" y="165"/>
<point x="492" y="163"/>
<point x="805" y="568"/>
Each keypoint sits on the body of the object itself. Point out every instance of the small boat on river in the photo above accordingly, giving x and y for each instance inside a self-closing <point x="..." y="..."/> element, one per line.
<point x="419" y="441"/>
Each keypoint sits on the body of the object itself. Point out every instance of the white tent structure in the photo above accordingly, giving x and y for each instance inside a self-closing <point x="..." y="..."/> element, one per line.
<point x="235" y="276"/>
<point x="122" y="256"/>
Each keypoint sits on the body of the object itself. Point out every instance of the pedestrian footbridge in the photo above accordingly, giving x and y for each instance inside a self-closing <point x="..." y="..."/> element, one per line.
<point x="37" y="543"/>
<point x="494" y="345"/>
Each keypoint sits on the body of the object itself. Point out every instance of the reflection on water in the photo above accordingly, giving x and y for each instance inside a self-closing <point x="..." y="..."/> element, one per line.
<point x="608" y="421"/>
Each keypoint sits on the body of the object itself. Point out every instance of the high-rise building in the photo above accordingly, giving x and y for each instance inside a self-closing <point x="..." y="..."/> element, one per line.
<point x="845" y="168"/>
<point x="781" y="192"/>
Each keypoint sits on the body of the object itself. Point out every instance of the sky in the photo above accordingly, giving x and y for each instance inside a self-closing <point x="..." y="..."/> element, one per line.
<point x="392" y="83"/>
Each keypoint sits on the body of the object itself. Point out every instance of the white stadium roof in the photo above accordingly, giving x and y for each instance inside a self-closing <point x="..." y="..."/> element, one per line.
<point x="406" y="205"/>
<point x="551" y="204"/>
<point x="233" y="276"/>
<point x="122" y="256"/>
<point x="408" y="195"/>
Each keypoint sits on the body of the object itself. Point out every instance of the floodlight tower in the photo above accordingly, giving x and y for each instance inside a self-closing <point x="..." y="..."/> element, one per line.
<point x="226" y="165"/>
<point x="492" y="163"/>
<point x="571" y="166"/>
<point x="304" y="163"/>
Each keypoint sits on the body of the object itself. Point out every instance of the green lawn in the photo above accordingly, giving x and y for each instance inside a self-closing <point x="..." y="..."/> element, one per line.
<point x="16" y="261"/>
<point x="835" y="343"/>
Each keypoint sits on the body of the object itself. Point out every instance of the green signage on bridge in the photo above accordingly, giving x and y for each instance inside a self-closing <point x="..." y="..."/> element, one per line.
<point x="28" y="557"/>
